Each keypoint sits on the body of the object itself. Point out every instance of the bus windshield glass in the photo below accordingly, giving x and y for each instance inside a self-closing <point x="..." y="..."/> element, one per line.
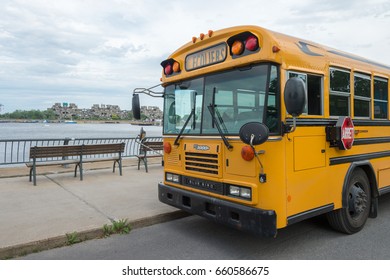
<point x="228" y="100"/>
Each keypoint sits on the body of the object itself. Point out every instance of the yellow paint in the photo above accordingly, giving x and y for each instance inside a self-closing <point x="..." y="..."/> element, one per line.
<point x="299" y="175"/>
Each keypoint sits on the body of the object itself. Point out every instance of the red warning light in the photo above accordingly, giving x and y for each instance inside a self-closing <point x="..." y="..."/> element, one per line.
<point x="251" y="44"/>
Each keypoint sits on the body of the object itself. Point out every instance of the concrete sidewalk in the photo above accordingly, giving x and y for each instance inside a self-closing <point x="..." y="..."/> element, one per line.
<point x="34" y="218"/>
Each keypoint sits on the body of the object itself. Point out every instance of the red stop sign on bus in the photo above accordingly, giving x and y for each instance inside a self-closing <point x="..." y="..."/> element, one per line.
<point x="347" y="133"/>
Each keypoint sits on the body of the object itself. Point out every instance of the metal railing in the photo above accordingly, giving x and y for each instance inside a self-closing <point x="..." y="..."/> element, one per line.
<point x="17" y="151"/>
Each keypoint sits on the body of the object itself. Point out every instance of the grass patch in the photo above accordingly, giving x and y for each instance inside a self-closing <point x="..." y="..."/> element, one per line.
<point x="72" y="238"/>
<point x="121" y="226"/>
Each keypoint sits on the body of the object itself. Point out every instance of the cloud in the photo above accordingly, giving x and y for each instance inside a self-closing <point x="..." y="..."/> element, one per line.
<point x="96" y="51"/>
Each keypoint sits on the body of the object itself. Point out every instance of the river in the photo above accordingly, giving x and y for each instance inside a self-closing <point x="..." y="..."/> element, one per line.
<point x="79" y="130"/>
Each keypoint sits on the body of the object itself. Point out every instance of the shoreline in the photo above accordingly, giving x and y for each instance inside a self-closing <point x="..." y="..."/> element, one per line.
<point x="140" y="123"/>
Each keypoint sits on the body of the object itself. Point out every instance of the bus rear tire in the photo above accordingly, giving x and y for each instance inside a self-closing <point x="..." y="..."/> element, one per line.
<point x="352" y="218"/>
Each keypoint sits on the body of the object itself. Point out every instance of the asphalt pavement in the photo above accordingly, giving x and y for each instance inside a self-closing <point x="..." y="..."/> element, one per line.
<point x="36" y="218"/>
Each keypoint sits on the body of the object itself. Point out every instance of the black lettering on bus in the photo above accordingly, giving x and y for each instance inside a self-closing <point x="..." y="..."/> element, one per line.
<point x="202" y="60"/>
<point x="212" y="57"/>
<point x="217" y="54"/>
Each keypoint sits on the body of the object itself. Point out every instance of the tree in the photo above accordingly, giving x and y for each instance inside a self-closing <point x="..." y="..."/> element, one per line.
<point x="115" y="117"/>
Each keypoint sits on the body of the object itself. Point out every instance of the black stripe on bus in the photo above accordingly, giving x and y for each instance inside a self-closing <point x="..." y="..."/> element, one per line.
<point x="374" y="140"/>
<point x="312" y="122"/>
<point x="310" y="214"/>
<point x="329" y="122"/>
<point x="384" y="190"/>
<point x="371" y="122"/>
<point x="348" y="159"/>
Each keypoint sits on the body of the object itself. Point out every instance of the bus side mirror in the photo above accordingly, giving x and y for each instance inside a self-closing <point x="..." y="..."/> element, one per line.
<point x="136" y="107"/>
<point x="254" y="133"/>
<point x="295" y="98"/>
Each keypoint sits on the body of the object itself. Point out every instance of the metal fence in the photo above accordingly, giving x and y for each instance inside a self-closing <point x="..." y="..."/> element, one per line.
<point x="17" y="151"/>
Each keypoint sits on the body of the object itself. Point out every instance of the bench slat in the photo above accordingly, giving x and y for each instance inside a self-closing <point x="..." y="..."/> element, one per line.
<point x="149" y="149"/>
<point x="150" y="146"/>
<point x="103" y="149"/>
<point x="54" y="162"/>
<point x="55" y="151"/>
<point x="100" y="159"/>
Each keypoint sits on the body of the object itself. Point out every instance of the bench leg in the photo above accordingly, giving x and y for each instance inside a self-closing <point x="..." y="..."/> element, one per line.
<point x="81" y="170"/>
<point x="146" y="164"/>
<point x="31" y="174"/>
<point x="34" y="175"/>
<point x="119" y="161"/>
<point x="75" y="170"/>
<point x="120" y="166"/>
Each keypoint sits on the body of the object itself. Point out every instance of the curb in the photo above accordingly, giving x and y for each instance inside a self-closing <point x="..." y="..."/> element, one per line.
<point x="61" y="241"/>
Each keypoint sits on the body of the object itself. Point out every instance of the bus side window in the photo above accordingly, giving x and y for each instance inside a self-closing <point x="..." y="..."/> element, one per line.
<point x="314" y="99"/>
<point x="314" y="92"/>
<point x="339" y="92"/>
<point x="380" y="98"/>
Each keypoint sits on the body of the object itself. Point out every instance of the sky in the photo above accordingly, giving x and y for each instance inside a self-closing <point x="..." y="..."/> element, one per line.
<point x="97" y="51"/>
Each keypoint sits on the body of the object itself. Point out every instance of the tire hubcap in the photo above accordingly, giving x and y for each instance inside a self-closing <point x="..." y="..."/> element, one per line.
<point x="357" y="201"/>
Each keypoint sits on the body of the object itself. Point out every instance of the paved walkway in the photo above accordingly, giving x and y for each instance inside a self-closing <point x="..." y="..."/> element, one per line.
<point x="34" y="218"/>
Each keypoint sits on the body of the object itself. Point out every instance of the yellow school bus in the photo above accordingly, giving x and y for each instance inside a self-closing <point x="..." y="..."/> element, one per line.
<point x="262" y="130"/>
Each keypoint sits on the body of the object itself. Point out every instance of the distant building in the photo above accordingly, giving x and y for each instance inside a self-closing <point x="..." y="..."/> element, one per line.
<point x="152" y="112"/>
<point x="64" y="111"/>
<point x="105" y="111"/>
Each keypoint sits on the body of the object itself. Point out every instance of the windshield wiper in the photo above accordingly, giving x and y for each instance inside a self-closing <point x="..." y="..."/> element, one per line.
<point x="216" y="122"/>
<point x="184" y="127"/>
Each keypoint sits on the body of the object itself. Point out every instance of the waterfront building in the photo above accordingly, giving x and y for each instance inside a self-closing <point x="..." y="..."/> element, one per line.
<point x="67" y="111"/>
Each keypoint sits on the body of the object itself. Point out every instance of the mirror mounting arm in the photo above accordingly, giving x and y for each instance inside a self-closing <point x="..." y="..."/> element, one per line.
<point x="149" y="91"/>
<point x="290" y="129"/>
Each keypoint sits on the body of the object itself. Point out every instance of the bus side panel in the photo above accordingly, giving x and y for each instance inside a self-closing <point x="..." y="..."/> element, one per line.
<point x="272" y="194"/>
<point x="307" y="175"/>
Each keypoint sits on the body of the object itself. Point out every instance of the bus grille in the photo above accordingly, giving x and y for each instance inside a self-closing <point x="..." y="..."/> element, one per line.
<point x="173" y="158"/>
<point x="204" y="163"/>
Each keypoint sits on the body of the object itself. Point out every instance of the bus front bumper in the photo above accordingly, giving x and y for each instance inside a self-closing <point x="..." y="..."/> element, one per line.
<point x="258" y="221"/>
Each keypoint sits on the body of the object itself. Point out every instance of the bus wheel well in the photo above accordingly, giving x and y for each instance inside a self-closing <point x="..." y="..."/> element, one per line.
<point x="370" y="173"/>
<point x="357" y="202"/>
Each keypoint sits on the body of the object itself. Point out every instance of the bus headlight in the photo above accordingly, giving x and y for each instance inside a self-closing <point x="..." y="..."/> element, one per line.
<point x="171" y="177"/>
<point x="234" y="190"/>
<point x="246" y="193"/>
<point x="241" y="192"/>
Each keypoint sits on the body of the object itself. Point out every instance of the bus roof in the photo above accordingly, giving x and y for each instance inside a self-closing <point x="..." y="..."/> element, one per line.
<point x="288" y="51"/>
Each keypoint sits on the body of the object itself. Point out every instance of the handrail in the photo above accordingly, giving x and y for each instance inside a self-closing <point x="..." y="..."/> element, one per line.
<point x="16" y="151"/>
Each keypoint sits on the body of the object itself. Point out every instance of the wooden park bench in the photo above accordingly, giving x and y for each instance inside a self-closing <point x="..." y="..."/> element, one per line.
<point x="74" y="154"/>
<point x="149" y="149"/>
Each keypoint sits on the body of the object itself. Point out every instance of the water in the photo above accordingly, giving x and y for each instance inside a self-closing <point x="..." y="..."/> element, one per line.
<point x="79" y="130"/>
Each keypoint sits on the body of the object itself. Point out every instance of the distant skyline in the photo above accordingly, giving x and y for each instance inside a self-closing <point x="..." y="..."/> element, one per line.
<point x="96" y="52"/>
<point x="69" y="104"/>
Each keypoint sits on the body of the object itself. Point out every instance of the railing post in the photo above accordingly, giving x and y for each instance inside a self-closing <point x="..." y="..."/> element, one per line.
<point x="66" y="142"/>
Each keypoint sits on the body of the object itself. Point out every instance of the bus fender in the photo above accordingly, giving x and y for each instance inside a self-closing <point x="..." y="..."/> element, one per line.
<point x="369" y="170"/>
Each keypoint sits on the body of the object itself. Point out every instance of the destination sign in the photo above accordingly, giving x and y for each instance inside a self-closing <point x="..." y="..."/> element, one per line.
<point x="206" y="57"/>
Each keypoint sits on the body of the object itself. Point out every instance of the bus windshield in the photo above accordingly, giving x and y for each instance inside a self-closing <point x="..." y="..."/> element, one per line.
<point x="228" y="100"/>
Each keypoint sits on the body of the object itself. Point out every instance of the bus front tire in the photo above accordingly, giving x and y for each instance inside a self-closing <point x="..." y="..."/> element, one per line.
<point x="351" y="219"/>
